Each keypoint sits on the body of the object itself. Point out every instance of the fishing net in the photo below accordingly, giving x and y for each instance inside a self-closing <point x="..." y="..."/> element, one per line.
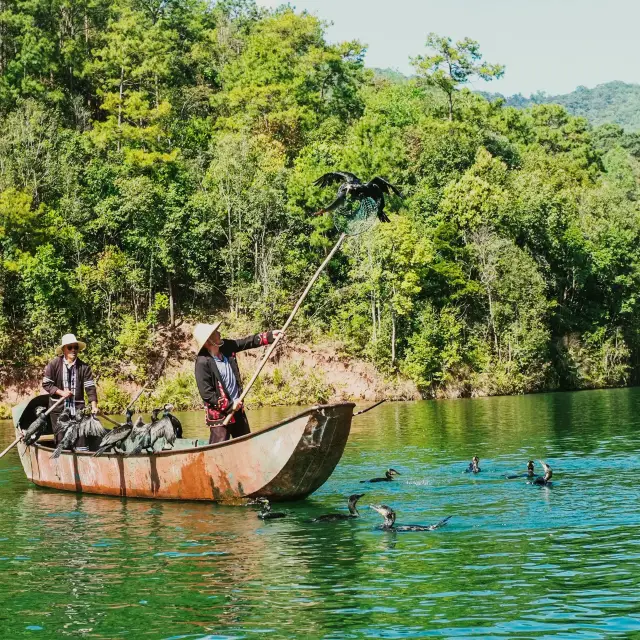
<point x="355" y="217"/>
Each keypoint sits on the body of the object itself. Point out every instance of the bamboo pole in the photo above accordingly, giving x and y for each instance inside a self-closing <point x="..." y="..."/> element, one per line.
<point x="373" y="406"/>
<point x="274" y="344"/>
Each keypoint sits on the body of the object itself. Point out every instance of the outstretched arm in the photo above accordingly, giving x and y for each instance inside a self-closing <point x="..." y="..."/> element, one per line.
<point x="250" y="342"/>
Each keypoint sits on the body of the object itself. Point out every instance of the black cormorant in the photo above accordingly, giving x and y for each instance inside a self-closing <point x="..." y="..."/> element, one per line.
<point x="36" y="428"/>
<point x="177" y="425"/>
<point x="90" y="426"/>
<point x="116" y="436"/>
<point x="389" y="524"/>
<point x="352" y="187"/>
<point x="353" y="511"/>
<point x="529" y="473"/>
<point x="473" y="465"/>
<point x="265" y="511"/>
<point x="163" y="429"/>
<point x="70" y="433"/>
<point x="388" y="476"/>
<point x="546" y="478"/>
<point x="141" y="434"/>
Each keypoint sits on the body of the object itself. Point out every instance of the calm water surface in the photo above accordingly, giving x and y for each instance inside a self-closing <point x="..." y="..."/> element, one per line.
<point x="515" y="561"/>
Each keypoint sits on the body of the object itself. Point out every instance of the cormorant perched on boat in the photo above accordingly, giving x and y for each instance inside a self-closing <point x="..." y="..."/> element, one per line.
<point x="91" y="426"/>
<point x="529" y="474"/>
<point x="353" y="511"/>
<point x="388" y="476"/>
<point x="163" y="429"/>
<point x="546" y="478"/>
<point x="36" y="428"/>
<point x="266" y="513"/>
<point x="141" y="434"/>
<point x="70" y="433"/>
<point x="177" y="425"/>
<point x="116" y="436"/>
<point x="389" y="516"/>
<point x="352" y="187"/>
<point x="473" y="465"/>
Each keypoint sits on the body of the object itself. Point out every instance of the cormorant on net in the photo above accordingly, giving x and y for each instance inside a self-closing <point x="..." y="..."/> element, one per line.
<point x="368" y="196"/>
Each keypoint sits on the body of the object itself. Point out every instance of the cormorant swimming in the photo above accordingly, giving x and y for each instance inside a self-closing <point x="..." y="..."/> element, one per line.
<point x="266" y="513"/>
<point x="529" y="474"/>
<point x="36" y="428"/>
<point x="353" y="511"/>
<point x="388" y="476"/>
<point x="389" y="516"/>
<point x="546" y="478"/>
<point x="116" y="436"/>
<point x="473" y="465"/>
<point x="352" y="187"/>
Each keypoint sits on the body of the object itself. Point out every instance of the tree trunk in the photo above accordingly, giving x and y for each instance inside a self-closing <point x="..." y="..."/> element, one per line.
<point x="151" y="284"/>
<point x="450" y="99"/>
<point x="393" y="336"/>
<point x="172" y="317"/>
<point x="374" y="333"/>
<point x="120" y="105"/>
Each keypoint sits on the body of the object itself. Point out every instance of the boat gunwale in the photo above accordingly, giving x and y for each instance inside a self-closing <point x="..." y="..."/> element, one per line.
<point x="204" y="447"/>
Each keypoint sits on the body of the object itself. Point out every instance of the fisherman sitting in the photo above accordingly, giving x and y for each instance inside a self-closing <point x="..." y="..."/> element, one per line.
<point x="66" y="376"/>
<point x="219" y="381"/>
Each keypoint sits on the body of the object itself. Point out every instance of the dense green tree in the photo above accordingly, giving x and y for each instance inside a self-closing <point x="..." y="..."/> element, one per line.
<point x="450" y="66"/>
<point x="157" y="161"/>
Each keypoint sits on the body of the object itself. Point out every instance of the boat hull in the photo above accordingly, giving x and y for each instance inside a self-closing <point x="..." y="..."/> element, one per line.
<point x="285" y="461"/>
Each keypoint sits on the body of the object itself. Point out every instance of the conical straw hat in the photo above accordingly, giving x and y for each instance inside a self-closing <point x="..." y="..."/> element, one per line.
<point x="202" y="332"/>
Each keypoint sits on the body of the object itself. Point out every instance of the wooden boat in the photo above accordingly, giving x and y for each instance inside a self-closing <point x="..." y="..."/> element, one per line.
<point x="285" y="461"/>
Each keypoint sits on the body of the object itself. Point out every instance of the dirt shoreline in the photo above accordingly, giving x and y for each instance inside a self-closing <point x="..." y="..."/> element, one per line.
<point x="298" y="374"/>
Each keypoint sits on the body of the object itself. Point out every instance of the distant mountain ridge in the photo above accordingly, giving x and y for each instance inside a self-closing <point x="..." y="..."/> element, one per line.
<point x="616" y="101"/>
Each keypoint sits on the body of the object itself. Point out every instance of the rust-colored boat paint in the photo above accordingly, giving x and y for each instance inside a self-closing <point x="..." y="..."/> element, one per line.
<point x="285" y="461"/>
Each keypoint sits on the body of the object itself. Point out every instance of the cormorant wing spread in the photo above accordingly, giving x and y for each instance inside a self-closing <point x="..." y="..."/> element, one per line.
<point x="385" y="186"/>
<point x="91" y="426"/>
<point x="335" y="177"/>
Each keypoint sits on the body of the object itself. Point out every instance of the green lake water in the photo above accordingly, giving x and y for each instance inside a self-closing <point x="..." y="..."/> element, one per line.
<point x="515" y="561"/>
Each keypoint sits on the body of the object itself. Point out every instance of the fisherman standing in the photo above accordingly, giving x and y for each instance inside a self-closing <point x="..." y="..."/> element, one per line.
<point x="66" y="376"/>
<point x="219" y="381"/>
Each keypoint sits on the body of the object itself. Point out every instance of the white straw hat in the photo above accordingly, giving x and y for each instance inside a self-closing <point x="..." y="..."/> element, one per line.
<point x="202" y="332"/>
<point x="69" y="338"/>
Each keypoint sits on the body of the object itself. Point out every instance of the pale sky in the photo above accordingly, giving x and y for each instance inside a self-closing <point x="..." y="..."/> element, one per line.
<point x="548" y="45"/>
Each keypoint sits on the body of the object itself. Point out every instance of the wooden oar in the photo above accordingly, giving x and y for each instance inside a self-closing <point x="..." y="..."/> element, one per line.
<point x="47" y="412"/>
<point x="274" y="344"/>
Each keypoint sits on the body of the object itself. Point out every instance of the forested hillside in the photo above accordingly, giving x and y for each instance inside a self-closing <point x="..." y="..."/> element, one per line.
<point x="157" y="161"/>
<point x="612" y="102"/>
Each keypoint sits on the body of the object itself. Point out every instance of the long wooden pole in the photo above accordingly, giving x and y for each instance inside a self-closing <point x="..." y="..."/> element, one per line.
<point x="373" y="406"/>
<point x="47" y="412"/>
<point x="152" y="380"/>
<point x="274" y="344"/>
